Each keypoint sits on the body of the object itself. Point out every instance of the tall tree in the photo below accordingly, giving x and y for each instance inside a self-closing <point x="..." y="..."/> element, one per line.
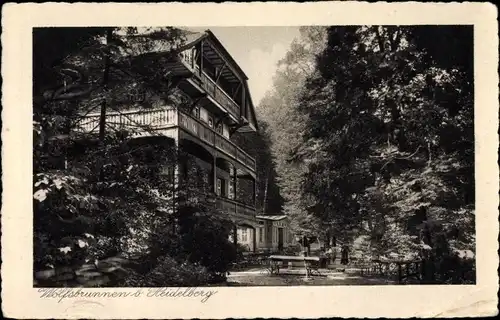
<point x="378" y="111"/>
<point x="285" y="125"/>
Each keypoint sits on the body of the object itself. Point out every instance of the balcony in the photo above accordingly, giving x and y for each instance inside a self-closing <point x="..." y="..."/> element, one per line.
<point x="159" y="121"/>
<point x="201" y="130"/>
<point x="140" y="122"/>
<point x="219" y="95"/>
<point x="209" y="85"/>
<point x="235" y="208"/>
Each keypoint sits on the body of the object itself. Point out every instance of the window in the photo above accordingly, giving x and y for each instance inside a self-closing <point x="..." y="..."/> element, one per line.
<point x="206" y="178"/>
<point x="196" y="112"/>
<point x="185" y="169"/>
<point x="223" y="188"/>
<point x="231" y="189"/>
<point x="210" y="122"/>
<point x="244" y="235"/>
<point x="219" y="128"/>
<point x="168" y="172"/>
<point x="261" y="234"/>
<point x="219" y="186"/>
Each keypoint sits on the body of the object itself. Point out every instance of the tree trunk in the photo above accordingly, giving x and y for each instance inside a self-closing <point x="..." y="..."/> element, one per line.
<point x="264" y="200"/>
<point x="102" y="119"/>
<point x="327" y="239"/>
<point x="429" y="152"/>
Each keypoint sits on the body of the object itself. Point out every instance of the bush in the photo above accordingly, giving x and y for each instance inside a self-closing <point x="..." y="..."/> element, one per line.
<point x="169" y="272"/>
<point x="205" y="238"/>
<point x="240" y="249"/>
<point x="452" y="269"/>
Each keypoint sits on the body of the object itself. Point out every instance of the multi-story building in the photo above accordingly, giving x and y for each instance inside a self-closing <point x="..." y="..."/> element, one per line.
<point x="219" y="106"/>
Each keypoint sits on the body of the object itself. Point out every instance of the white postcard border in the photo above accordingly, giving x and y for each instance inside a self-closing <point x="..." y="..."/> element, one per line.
<point x="21" y="300"/>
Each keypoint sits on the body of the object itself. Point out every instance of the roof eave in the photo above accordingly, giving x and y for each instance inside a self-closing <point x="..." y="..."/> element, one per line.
<point x="226" y="53"/>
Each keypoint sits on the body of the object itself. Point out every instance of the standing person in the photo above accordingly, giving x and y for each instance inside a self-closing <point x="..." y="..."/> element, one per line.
<point x="334" y="254"/>
<point x="329" y="255"/>
<point x="345" y="255"/>
<point x="323" y="259"/>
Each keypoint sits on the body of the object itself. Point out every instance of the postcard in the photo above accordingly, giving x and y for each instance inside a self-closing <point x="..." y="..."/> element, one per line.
<point x="244" y="160"/>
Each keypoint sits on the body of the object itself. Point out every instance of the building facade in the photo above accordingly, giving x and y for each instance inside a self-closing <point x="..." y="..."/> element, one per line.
<point x="274" y="233"/>
<point x="216" y="105"/>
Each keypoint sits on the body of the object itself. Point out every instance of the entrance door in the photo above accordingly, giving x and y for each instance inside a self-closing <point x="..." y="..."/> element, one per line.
<point x="280" y="239"/>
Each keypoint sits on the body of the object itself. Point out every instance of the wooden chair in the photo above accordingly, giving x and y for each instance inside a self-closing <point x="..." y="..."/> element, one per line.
<point x="312" y="267"/>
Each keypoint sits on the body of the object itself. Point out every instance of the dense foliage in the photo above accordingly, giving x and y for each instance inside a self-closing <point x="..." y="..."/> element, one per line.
<point x="278" y="112"/>
<point x="379" y="144"/>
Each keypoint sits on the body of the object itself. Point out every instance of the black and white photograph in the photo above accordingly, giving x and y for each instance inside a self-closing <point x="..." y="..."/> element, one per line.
<point x="198" y="158"/>
<point x="156" y="164"/>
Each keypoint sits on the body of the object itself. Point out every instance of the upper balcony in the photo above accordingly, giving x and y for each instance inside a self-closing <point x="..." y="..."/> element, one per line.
<point x="207" y="69"/>
<point x="206" y="72"/>
<point x="159" y="121"/>
<point x="213" y="85"/>
<point x="219" y="95"/>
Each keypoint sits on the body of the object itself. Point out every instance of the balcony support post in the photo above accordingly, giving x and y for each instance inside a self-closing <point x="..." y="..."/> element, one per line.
<point x="192" y="54"/>
<point x="200" y="56"/>
<point x="219" y="73"/>
<point x="234" y="183"/>
<point x="214" y="174"/>
<point x="235" y="92"/>
<point x="243" y="104"/>
<point x="254" y="198"/>
<point x="175" y="176"/>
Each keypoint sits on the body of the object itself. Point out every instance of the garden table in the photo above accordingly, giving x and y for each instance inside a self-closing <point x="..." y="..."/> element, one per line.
<point x="275" y="261"/>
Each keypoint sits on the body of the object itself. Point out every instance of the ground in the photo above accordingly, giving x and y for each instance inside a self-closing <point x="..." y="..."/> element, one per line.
<point x="260" y="277"/>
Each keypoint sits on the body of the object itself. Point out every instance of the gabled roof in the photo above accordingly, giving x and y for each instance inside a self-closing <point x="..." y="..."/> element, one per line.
<point x="192" y="38"/>
<point x="224" y="51"/>
<point x="252" y="118"/>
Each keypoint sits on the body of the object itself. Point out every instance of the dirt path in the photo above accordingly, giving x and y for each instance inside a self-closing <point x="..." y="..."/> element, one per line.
<point x="259" y="277"/>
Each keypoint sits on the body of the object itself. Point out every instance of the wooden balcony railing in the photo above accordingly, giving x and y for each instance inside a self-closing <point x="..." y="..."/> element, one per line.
<point x="235" y="207"/>
<point x="219" y="95"/>
<point x="197" y="128"/>
<point x="209" y="85"/>
<point x="207" y="134"/>
<point x="145" y="122"/>
<point x="187" y="57"/>
<point x="130" y="120"/>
